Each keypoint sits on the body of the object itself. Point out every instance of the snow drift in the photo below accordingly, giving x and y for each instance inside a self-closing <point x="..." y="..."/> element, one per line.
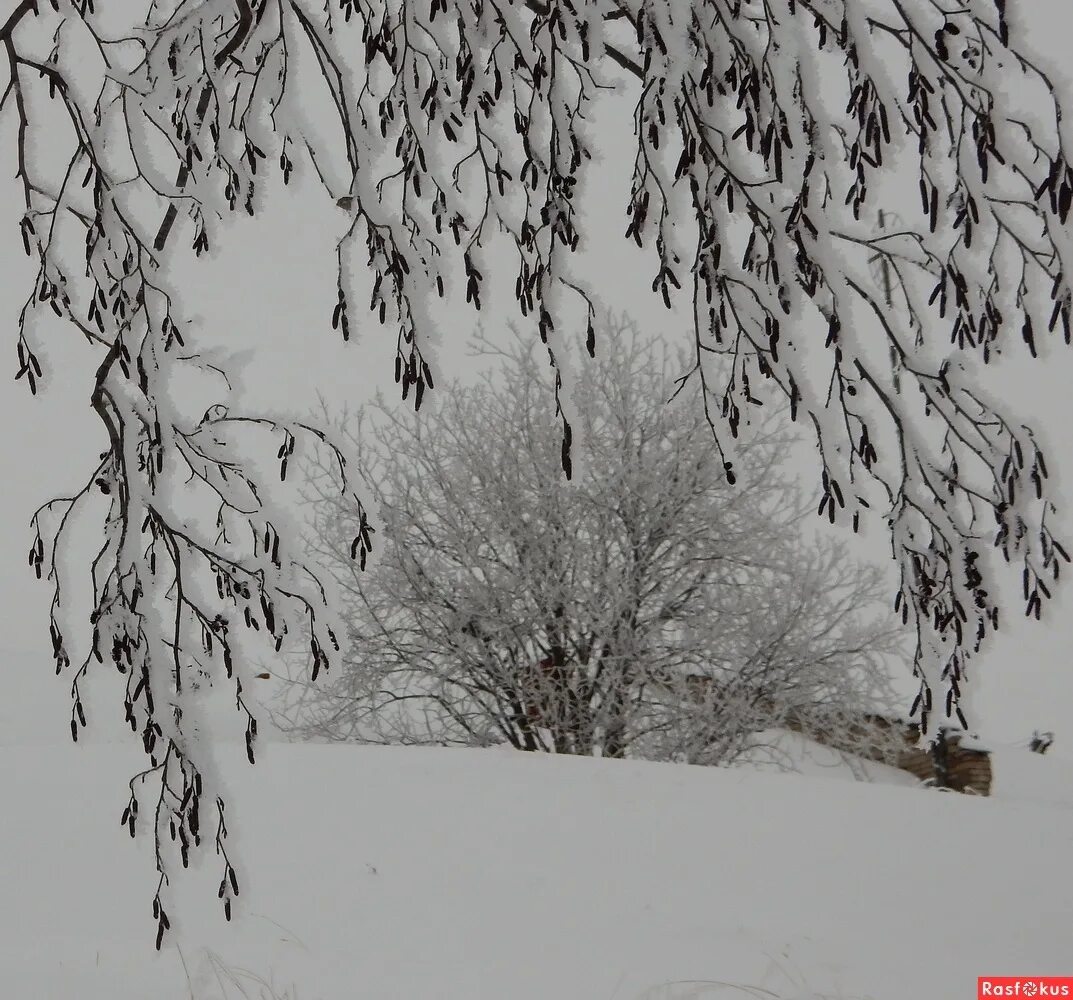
<point x="487" y="875"/>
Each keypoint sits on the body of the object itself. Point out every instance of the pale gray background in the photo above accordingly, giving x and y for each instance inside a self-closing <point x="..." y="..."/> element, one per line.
<point x="270" y="287"/>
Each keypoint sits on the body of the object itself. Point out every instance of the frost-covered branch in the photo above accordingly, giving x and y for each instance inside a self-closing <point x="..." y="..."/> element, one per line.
<point x="196" y="547"/>
<point x="768" y="136"/>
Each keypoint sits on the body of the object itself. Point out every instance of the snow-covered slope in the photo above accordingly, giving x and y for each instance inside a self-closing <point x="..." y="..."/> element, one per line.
<point x="465" y="875"/>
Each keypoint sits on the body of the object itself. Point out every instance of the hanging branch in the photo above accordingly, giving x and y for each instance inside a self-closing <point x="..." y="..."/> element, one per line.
<point x="462" y="127"/>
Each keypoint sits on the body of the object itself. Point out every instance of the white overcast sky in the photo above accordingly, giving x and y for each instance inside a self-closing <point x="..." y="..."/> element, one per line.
<point x="266" y="296"/>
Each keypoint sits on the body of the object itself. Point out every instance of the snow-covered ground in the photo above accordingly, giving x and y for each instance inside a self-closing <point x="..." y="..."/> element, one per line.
<point x="463" y="875"/>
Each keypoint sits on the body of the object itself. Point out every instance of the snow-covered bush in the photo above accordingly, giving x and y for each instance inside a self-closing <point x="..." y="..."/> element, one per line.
<point x="509" y="606"/>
